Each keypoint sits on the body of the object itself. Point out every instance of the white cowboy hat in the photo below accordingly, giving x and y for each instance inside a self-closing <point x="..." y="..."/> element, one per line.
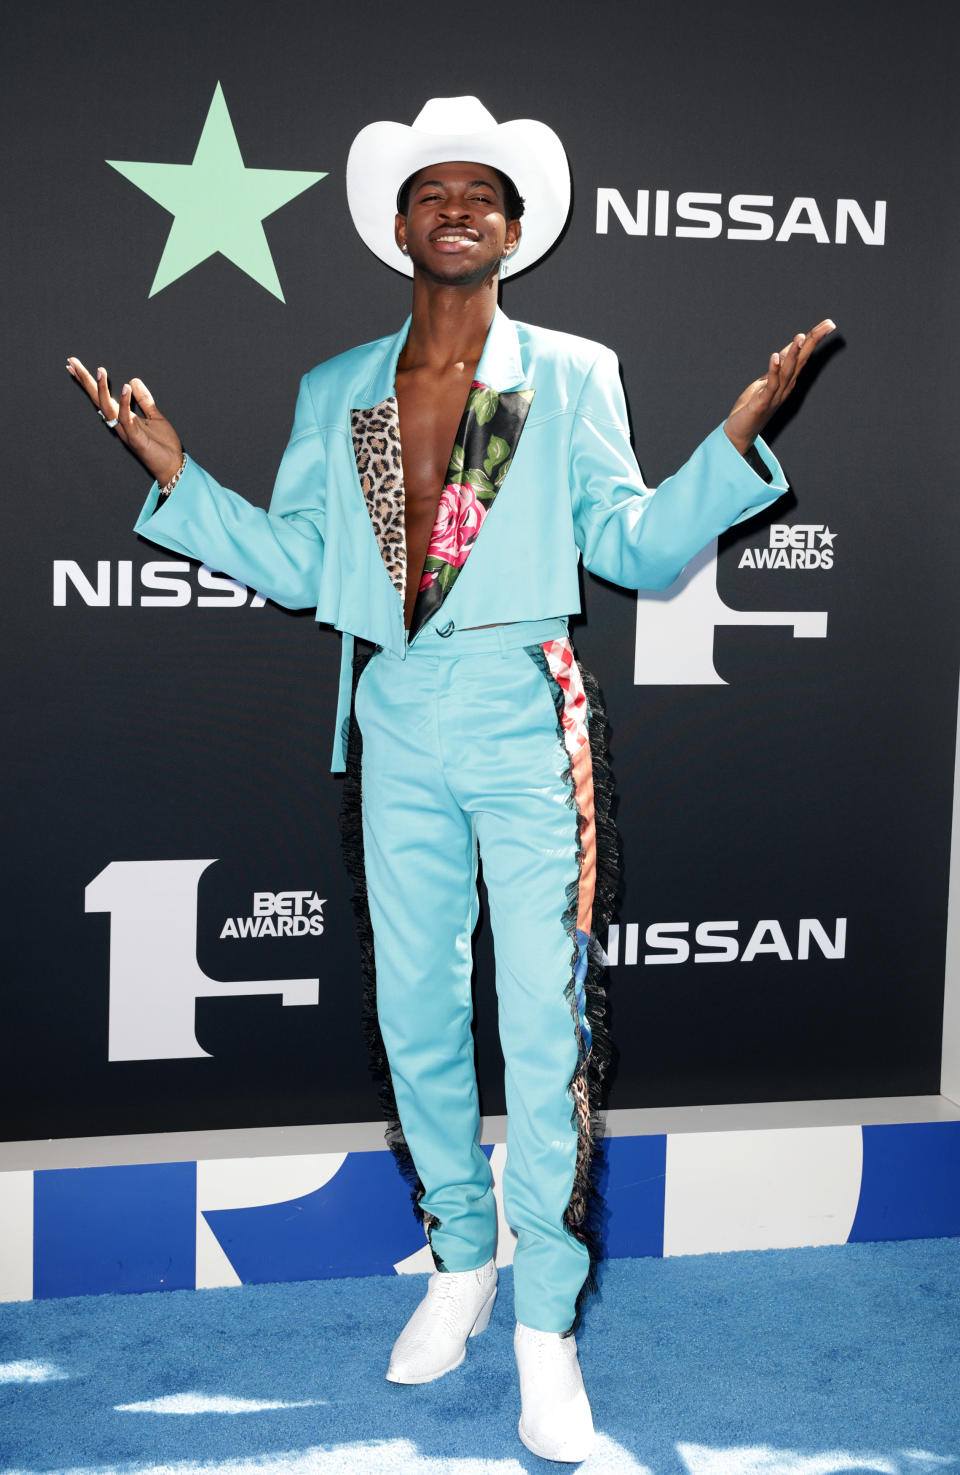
<point x="384" y="155"/>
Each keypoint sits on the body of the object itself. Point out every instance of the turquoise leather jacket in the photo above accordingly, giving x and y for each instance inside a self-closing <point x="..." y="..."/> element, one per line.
<point x="573" y="489"/>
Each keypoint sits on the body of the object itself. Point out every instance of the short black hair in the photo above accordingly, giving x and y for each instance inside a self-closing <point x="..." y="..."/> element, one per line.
<point x="512" y="198"/>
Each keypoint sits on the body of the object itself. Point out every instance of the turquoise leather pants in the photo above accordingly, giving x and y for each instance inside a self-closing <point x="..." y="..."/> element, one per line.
<point x="469" y="742"/>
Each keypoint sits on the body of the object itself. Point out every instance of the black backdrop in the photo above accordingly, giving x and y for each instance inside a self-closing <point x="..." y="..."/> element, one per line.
<point x="811" y="779"/>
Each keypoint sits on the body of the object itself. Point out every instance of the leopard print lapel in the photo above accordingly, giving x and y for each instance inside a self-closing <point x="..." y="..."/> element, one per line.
<point x="376" y="448"/>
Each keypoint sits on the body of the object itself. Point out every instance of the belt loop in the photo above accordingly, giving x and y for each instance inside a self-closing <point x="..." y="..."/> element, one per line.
<point x="502" y="640"/>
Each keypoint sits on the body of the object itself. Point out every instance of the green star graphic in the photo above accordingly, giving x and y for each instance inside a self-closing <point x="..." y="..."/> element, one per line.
<point x="217" y="203"/>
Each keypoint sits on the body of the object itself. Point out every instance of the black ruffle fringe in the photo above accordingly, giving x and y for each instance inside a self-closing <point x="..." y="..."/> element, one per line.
<point x="592" y="1065"/>
<point x="584" y="1214"/>
<point x="351" y="833"/>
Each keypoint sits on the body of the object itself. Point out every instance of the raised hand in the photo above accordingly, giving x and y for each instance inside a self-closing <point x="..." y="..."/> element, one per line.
<point x="764" y="396"/>
<point x="149" y="434"/>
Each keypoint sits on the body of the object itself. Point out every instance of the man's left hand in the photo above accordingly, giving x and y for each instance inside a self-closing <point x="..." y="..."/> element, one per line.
<point x="764" y="396"/>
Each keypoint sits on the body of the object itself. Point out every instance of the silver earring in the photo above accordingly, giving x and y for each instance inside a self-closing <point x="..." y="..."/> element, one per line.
<point x="403" y="248"/>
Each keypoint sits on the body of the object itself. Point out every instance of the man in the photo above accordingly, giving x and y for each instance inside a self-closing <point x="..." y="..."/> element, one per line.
<point x="459" y="569"/>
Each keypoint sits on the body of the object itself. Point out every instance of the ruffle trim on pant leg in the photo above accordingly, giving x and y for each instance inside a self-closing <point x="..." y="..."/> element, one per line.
<point x="585" y="1212"/>
<point x="351" y="835"/>
<point x="586" y="989"/>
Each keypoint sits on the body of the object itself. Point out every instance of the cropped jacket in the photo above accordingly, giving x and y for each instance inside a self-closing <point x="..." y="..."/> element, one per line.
<point x="568" y="487"/>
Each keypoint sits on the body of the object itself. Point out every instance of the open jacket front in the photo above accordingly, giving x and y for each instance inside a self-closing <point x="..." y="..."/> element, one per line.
<point x="546" y="439"/>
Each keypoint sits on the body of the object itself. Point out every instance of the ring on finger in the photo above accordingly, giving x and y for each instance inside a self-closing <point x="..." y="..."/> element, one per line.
<point x="110" y="424"/>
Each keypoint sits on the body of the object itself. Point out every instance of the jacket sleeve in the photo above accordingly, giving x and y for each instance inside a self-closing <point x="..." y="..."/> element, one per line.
<point x="639" y="537"/>
<point x="278" y="553"/>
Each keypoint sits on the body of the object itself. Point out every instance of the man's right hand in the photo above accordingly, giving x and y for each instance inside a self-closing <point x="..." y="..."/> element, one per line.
<point x="149" y="435"/>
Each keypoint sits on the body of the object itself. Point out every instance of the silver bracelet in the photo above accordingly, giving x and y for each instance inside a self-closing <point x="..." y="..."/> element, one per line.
<point x="166" y="490"/>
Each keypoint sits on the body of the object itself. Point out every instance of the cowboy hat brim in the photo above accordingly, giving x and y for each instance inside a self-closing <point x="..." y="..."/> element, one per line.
<point x="384" y="155"/>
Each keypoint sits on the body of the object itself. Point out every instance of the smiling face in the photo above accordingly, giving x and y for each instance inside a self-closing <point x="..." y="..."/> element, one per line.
<point x="455" y="228"/>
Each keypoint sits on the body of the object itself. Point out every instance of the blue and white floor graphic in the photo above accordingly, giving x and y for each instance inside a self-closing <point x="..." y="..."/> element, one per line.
<point x="186" y="1225"/>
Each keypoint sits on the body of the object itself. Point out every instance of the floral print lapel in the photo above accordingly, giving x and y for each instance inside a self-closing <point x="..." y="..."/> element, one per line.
<point x="487" y="439"/>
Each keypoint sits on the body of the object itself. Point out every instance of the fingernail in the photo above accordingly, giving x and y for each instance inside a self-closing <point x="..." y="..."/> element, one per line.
<point x="776" y="359"/>
<point x="126" y="389"/>
<point x="99" y="373"/>
<point x="831" y="323"/>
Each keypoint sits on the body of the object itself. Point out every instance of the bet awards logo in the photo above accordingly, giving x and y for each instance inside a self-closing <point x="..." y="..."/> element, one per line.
<point x="155" y="979"/>
<point x="804" y="545"/>
<point x="675" y="626"/>
<point x="279" y="914"/>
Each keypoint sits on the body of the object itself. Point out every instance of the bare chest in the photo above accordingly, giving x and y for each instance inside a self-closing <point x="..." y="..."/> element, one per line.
<point x="430" y="409"/>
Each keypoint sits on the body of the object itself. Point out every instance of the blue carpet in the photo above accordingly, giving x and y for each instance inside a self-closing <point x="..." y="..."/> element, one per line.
<point x="834" y="1361"/>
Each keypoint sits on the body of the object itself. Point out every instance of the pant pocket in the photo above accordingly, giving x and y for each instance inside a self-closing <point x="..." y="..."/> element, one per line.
<point x="362" y="681"/>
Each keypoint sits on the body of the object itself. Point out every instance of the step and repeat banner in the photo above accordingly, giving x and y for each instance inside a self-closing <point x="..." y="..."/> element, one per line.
<point x="179" y="948"/>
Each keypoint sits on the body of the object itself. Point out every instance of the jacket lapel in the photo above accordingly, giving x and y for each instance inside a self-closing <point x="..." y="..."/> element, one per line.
<point x="376" y="450"/>
<point x="375" y="431"/>
<point x="501" y="364"/>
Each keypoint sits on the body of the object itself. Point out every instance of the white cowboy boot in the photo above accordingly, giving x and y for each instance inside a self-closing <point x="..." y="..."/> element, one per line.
<point x="457" y="1305"/>
<point x="555" y="1422"/>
